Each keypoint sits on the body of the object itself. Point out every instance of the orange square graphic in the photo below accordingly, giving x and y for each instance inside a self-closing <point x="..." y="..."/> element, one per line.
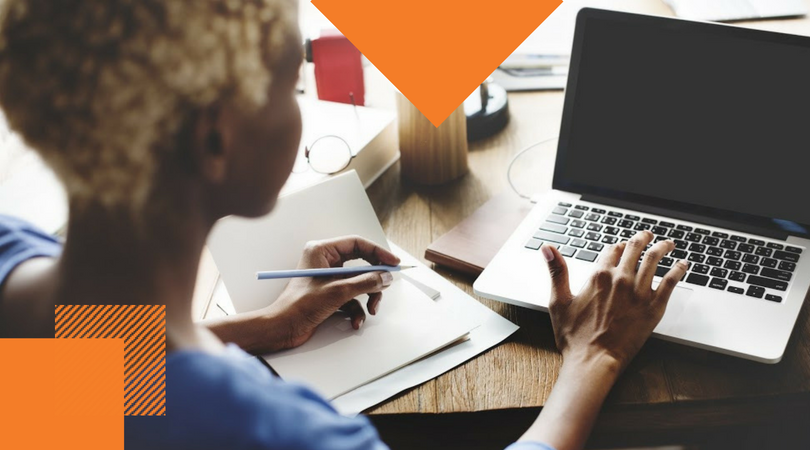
<point x="63" y="394"/>
<point x="142" y="327"/>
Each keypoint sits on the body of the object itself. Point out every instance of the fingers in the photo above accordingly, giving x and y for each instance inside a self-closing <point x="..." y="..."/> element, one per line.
<point x="373" y="303"/>
<point x="670" y="280"/>
<point x="633" y="250"/>
<point x="366" y="283"/>
<point x="650" y="263"/>
<point x="557" y="268"/>
<point x="355" y="311"/>
<point x="346" y="248"/>
<point x="613" y="255"/>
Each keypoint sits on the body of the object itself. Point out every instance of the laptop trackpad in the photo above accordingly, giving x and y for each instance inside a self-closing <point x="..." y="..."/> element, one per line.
<point x="675" y="315"/>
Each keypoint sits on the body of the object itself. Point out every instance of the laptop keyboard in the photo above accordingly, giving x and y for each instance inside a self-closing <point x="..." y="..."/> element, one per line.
<point x="717" y="259"/>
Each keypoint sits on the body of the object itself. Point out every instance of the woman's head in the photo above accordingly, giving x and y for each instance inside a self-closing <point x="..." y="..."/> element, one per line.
<point x="117" y="95"/>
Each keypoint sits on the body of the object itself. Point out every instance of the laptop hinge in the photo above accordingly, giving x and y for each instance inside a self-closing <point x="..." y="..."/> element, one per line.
<point x="675" y="214"/>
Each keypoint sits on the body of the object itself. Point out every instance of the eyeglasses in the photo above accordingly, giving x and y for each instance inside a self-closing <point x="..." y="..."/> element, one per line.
<point x="328" y="154"/>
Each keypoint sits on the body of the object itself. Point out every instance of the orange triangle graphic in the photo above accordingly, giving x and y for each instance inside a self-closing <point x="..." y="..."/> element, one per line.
<point x="436" y="52"/>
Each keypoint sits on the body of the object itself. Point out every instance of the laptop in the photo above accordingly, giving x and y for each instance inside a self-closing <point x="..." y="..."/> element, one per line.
<point x="699" y="133"/>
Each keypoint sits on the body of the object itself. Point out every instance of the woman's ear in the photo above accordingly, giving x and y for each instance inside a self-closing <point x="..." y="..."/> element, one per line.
<point x="210" y="151"/>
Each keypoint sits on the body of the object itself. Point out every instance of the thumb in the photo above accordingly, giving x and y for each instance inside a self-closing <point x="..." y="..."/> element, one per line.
<point x="558" y="270"/>
<point x="366" y="283"/>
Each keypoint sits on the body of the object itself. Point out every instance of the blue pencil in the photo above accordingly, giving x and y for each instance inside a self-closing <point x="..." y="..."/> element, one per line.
<point x="327" y="272"/>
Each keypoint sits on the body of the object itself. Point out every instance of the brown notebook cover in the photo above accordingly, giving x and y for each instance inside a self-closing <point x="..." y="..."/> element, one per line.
<point x="472" y="244"/>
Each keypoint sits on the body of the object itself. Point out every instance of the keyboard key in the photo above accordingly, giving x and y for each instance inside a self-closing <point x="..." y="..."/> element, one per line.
<point x="714" y="261"/>
<point x="676" y="234"/>
<point x="768" y="262"/>
<point x="756" y="241"/>
<point x="551" y="237"/>
<point x="585" y="255"/>
<point x="559" y="210"/>
<point x="719" y="273"/>
<point x="553" y="227"/>
<point x="778" y="274"/>
<point x="626" y="223"/>
<point x="659" y="230"/>
<point x="700" y="280"/>
<point x="615" y="214"/>
<point x="594" y="227"/>
<point x="579" y="243"/>
<point x="534" y="244"/>
<point x="666" y="261"/>
<point x="593" y="236"/>
<point x="579" y="224"/>
<point x="581" y="207"/>
<point x="681" y="245"/>
<point x="755" y="291"/>
<point x="718" y="283"/>
<point x="736" y="290"/>
<point x="660" y="271"/>
<point x="598" y="210"/>
<point x="684" y="227"/>
<point x="631" y="217"/>
<point x="627" y="234"/>
<point x="763" y="251"/>
<point x="607" y="220"/>
<point x="666" y="224"/>
<point x="700" y="268"/>
<point x="642" y="226"/>
<point x="773" y="298"/>
<point x="610" y="240"/>
<point x="613" y="231"/>
<point x="576" y="232"/>
<point x="714" y="251"/>
<point x="595" y="246"/>
<point x="702" y="231"/>
<point x="750" y="268"/>
<point x="564" y="205"/>
<point x="731" y="245"/>
<point x="751" y="259"/>
<point x="593" y="217"/>
<point x="708" y="240"/>
<point x="693" y="237"/>
<point x="746" y="248"/>
<point x="775" y="246"/>
<point x="700" y="248"/>
<point x="732" y="255"/>
<point x="558" y="219"/>
<point x="567" y="251"/>
<point x="696" y="257"/>
<point x="660" y="238"/>
<point x="678" y="254"/>
<point x="650" y="221"/>
<point x="720" y="235"/>
<point x="794" y="249"/>
<point x="789" y="266"/>
<point x="767" y="282"/>
<point x="737" y="276"/>
<point x="786" y="256"/>
<point x="576" y="214"/>
<point x="738" y="238"/>
<point x="732" y="265"/>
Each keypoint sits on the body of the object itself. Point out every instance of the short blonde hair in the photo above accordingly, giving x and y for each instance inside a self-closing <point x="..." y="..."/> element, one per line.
<point x="103" y="88"/>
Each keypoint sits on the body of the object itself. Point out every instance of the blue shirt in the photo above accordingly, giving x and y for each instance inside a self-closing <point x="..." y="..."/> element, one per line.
<point x="226" y="400"/>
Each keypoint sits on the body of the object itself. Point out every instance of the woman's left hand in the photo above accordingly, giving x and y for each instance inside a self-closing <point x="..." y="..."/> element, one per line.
<point x="306" y="302"/>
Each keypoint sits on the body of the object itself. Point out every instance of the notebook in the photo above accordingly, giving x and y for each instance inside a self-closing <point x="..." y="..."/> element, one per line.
<point x="337" y="359"/>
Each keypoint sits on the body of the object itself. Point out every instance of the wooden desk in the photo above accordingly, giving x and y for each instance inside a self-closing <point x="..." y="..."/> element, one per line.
<point x="669" y="394"/>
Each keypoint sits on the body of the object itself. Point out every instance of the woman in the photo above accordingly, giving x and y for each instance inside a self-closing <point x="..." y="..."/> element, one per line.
<point x="161" y="117"/>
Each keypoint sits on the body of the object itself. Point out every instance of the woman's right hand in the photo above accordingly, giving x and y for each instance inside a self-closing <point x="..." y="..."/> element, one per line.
<point x="617" y="309"/>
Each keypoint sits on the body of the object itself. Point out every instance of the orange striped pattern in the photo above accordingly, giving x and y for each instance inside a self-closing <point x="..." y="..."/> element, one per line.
<point x="142" y="328"/>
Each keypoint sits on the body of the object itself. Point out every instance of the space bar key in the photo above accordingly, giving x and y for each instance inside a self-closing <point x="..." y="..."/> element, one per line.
<point x="551" y="237"/>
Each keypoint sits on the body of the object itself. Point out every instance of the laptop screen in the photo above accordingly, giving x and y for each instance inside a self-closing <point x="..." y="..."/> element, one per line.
<point x="689" y="115"/>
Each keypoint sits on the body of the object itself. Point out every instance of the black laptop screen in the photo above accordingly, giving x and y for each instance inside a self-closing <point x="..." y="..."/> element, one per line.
<point x="692" y="114"/>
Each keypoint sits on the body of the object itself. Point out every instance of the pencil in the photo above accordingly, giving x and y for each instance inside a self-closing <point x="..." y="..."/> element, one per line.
<point x="327" y="272"/>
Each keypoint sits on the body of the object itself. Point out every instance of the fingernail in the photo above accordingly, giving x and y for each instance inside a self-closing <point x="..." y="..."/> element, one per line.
<point x="361" y="323"/>
<point x="387" y="278"/>
<point x="377" y="306"/>
<point x="683" y="264"/>
<point x="548" y="255"/>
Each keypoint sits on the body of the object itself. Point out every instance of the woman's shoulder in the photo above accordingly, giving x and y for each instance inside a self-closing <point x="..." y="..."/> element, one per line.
<point x="231" y="400"/>
<point x="21" y="241"/>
